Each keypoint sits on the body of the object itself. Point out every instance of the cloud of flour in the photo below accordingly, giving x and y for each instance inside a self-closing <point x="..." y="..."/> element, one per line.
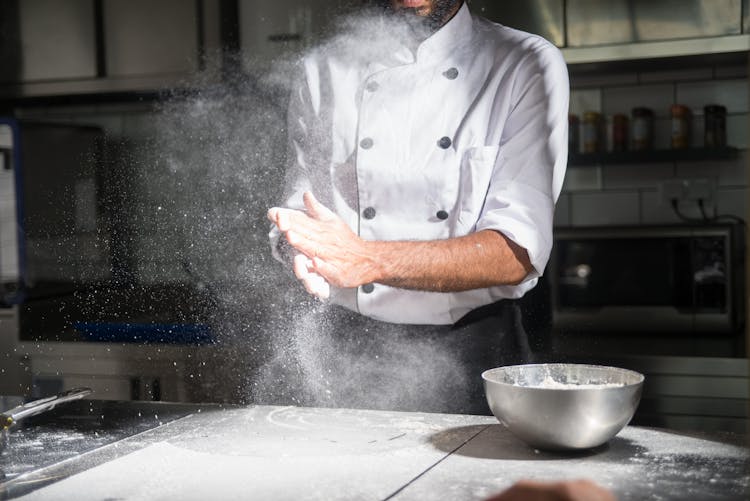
<point x="219" y="159"/>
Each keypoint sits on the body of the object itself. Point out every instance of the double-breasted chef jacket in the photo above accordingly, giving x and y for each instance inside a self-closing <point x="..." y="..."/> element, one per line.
<point x="465" y="131"/>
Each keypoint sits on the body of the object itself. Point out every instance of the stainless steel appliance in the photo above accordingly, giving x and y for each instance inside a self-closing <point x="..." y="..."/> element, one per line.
<point x="682" y="279"/>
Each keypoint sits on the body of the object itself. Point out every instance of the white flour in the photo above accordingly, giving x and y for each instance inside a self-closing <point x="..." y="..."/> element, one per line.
<point x="301" y="453"/>
<point x="549" y="383"/>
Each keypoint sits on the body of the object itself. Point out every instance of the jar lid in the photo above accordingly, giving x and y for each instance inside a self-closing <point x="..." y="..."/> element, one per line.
<point x="641" y="111"/>
<point x="714" y="108"/>
<point x="591" y="115"/>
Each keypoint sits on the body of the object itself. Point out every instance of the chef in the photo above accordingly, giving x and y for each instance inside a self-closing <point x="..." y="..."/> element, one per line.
<point x="428" y="149"/>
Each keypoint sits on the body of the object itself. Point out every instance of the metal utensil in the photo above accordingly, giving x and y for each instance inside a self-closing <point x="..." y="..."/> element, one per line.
<point x="11" y="417"/>
<point x="563" y="406"/>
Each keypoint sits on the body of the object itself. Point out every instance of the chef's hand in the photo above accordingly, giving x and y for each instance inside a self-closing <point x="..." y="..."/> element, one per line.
<point x="333" y="251"/>
<point x="313" y="283"/>
<point x="575" y="490"/>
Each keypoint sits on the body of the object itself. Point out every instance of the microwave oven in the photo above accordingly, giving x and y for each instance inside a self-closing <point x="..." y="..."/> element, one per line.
<point x="659" y="279"/>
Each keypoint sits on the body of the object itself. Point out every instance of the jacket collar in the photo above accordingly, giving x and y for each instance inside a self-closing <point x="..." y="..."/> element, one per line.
<point x="458" y="31"/>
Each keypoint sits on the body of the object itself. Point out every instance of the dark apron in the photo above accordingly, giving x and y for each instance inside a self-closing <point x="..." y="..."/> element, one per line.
<point x="351" y="361"/>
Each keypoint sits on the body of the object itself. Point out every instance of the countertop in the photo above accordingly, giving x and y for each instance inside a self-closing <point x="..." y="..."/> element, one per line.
<point x="263" y="452"/>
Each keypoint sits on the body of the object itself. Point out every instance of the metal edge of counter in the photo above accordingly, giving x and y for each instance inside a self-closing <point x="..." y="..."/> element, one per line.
<point x="37" y="479"/>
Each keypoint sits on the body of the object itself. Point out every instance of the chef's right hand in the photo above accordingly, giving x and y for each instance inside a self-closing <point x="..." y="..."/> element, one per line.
<point x="575" y="490"/>
<point x="314" y="283"/>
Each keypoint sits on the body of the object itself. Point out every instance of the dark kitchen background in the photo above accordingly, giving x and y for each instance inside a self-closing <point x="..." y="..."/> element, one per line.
<point x="141" y="142"/>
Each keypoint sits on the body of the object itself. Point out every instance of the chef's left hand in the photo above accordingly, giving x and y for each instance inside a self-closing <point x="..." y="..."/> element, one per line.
<point x="338" y="255"/>
<point x="570" y="490"/>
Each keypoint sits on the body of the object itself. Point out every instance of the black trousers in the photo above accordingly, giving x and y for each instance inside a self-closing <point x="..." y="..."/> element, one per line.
<point x="333" y="357"/>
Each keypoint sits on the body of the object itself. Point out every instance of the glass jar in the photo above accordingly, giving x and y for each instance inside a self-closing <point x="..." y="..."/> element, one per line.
<point x="681" y="119"/>
<point x="643" y="128"/>
<point x="592" y="132"/>
<point x="715" y="135"/>
<point x="620" y="124"/>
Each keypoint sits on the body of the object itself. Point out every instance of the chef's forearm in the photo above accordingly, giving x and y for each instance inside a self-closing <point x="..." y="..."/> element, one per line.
<point x="483" y="259"/>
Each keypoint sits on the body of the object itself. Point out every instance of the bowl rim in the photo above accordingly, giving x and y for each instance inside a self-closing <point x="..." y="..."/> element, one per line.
<point x="640" y="378"/>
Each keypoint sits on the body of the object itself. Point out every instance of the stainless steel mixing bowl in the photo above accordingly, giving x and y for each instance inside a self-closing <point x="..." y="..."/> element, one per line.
<point x="563" y="406"/>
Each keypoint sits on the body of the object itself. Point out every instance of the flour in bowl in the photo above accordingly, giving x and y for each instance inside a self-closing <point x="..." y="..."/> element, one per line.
<point x="549" y="383"/>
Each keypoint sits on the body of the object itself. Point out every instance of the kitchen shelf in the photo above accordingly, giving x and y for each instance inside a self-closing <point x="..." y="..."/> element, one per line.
<point x="657" y="49"/>
<point x="652" y="156"/>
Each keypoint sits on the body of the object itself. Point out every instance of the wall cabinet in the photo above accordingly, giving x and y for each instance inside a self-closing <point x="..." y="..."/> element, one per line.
<point x="595" y="31"/>
<point x="593" y="22"/>
<point x="50" y="48"/>
<point x="142" y="37"/>
<point x="47" y="40"/>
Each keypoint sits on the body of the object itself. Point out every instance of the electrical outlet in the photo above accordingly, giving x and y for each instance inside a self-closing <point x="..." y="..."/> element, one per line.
<point x="673" y="189"/>
<point x="701" y="189"/>
<point x="692" y="190"/>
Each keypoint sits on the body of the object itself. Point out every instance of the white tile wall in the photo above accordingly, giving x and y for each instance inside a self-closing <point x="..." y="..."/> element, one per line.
<point x="731" y="93"/>
<point x="655" y="211"/>
<point x="562" y="211"/>
<point x="698" y="130"/>
<point x="582" y="100"/>
<point x="676" y="75"/>
<point x="737" y="130"/>
<point x="662" y="132"/>
<point x="636" y="176"/>
<point x="606" y="79"/>
<point x="733" y="71"/>
<point x="623" y="99"/>
<point x="732" y="201"/>
<point x="728" y="173"/>
<point x="583" y="179"/>
<point x="605" y="208"/>
<point x="630" y="194"/>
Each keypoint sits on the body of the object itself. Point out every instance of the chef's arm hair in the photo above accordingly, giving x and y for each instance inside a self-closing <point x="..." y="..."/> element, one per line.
<point x="483" y="259"/>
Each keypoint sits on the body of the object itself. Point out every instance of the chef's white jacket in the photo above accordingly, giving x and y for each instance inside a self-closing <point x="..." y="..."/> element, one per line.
<point x="465" y="131"/>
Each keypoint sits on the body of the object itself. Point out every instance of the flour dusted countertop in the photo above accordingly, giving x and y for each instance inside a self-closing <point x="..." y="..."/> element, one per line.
<point x="261" y="452"/>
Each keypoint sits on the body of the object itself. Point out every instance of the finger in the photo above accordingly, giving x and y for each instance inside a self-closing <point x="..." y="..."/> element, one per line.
<point x="309" y="282"/>
<point x="322" y="268"/>
<point x="312" y="282"/>
<point x="274" y="213"/>
<point x="301" y="265"/>
<point x="302" y="244"/>
<point x="316" y="209"/>
<point x="295" y="239"/>
<point x="320" y="288"/>
<point x="284" y="219"/>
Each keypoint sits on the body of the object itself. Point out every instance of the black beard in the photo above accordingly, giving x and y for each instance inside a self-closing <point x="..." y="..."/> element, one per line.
<point x="424" y="24"/>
